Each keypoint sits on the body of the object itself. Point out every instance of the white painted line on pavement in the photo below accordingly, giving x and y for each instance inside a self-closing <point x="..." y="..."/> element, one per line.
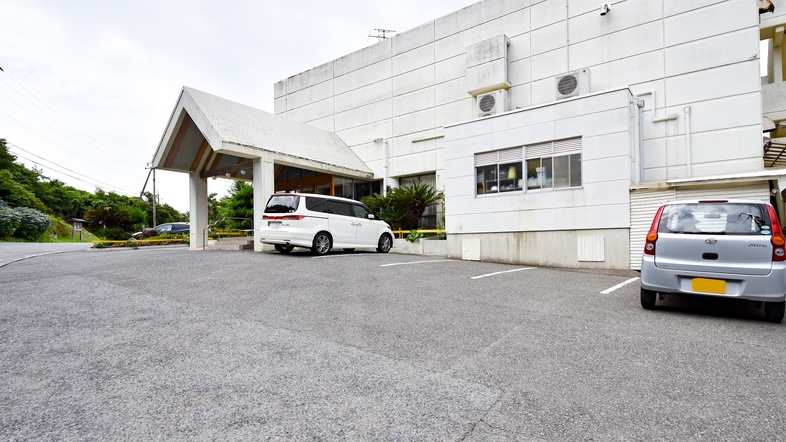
<point x="337" y="256"/>
<point x="499" y="273"/>
<point x="414" y="262"/>
<point x="620" y="285"/>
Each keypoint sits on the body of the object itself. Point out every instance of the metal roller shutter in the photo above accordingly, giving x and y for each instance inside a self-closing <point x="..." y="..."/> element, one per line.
<point x="643" y="205"/>
<point x="758" y="190"/>
<point x="645" y="202"/>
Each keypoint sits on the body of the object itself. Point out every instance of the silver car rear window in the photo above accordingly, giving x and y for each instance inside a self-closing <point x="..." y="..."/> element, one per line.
<point x="715" y="218"/>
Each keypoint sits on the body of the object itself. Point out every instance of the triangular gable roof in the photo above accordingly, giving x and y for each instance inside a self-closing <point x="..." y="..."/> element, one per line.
<point x="240" y="131"/>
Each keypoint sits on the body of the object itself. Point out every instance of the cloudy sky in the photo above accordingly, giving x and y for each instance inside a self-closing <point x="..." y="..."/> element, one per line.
<point x="88" y="86"/>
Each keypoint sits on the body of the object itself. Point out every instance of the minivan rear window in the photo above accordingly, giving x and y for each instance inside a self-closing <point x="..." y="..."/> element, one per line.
<point x="282" y="204"/>
<point x="715" y="218"/>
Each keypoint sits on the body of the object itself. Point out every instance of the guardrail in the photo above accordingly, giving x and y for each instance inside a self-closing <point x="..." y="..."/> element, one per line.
<point x="401" y="233"/>
<point x="136" y="242"/>
<point x="230" y="233"/>
<point x="207" y="229"/>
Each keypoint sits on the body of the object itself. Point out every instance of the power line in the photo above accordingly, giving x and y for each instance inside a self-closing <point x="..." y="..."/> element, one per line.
<point x="23" y="126"/>
<point x="86" y="142"/>
<point x="36" y="94"/>
<point x="93" y="182"/>
<point x="54" y="129"/>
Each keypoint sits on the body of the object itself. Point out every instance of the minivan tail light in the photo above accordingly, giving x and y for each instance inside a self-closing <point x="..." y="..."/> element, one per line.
<point x="652" y="235"/>
<point x="778" y="240"/>
<point x="282" y="218"/>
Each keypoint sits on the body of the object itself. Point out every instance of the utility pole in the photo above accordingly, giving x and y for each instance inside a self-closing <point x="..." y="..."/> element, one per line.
<point x="155" y="196"/>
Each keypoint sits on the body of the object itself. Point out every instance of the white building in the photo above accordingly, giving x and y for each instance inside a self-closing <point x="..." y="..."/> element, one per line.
<point x="555" y="127"/>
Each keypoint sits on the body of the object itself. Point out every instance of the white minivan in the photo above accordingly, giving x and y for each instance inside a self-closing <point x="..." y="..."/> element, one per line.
<point x="320" y="223"/>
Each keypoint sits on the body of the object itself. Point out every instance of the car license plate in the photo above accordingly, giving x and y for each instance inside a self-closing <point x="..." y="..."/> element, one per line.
<point x="708" y="285"/>
<point x="274" y="224"/>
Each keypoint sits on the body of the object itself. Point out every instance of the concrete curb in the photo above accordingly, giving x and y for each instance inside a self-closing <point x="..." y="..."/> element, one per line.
<point x="5" y="263"/>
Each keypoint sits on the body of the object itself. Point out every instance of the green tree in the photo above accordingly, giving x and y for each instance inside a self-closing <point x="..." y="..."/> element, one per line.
<point x="64" y="201"/>
<point x="238" y="204"/>
<point x="17" y="195"/>
<point x="213" y="208"/>
<point x="109" y="216"/>
<point x="21" y="187"/>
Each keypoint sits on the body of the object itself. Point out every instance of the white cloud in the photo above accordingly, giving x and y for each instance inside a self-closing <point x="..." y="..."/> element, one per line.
<point x="111" y="72"/>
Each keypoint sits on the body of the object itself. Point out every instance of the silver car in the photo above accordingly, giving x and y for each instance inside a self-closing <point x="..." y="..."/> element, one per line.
<point x="725" y="248"/>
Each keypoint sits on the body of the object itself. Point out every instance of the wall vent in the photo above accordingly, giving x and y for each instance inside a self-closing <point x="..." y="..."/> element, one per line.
<point x="573" y="84"/>
<point x="493" y="103"/>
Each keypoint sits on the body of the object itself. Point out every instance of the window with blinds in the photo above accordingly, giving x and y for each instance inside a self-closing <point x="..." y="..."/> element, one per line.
<point x="499" y="171"/>
<point x="554" y="165"/>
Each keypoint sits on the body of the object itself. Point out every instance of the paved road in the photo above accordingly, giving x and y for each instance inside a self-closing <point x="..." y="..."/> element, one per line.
<point x="14" y="251"/>
<point x="179" y="345"/>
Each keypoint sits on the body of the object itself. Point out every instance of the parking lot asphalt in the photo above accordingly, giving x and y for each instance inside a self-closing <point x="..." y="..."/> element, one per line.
<point x="171" y="344"/>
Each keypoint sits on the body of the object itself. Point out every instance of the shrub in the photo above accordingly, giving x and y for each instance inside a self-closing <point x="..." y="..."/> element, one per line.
<point x="33" y="223"/>
<point x="9" y="221"/>
<point x="115" y="233"/>
<point x="403" y="206"/>
<point x="414" y="236"/>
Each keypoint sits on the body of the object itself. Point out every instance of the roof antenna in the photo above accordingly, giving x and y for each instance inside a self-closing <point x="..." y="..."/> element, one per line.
<point x="382" y="34"/>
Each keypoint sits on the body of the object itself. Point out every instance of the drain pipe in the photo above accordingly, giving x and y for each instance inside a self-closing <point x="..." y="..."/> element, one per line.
<point x="384" y="164"/>
<point x="640" y="105"/>
<point x="687" y="140"/>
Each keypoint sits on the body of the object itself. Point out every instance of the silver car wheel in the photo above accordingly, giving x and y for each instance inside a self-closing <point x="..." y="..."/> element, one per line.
<point x="321" y="244"/>
<point x="384" y="244"/>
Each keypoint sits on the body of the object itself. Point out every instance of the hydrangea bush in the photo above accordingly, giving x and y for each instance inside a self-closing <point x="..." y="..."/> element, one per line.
<point x="34" y="223"/>
<point x="9" y="220"/>
<point x="22" y="222"/>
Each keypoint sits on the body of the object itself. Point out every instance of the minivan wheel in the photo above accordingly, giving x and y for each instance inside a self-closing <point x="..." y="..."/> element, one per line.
<point x="385" y="243"/>
<point x="648" y="298"/>
<point x="284" y="248"/>
<point x="773" y="311"/>
<point x="321" y="244"/>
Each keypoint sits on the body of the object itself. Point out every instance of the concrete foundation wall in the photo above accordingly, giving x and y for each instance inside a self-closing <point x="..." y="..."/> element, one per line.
<point x="561" y="248"/>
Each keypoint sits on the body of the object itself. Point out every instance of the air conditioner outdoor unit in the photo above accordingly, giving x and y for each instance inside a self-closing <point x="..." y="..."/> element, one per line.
<point x="492" y="103"/>
<point x="573" y="84"/>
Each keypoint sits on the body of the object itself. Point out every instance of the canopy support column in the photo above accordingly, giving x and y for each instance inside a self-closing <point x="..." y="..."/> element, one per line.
<point x="197" y="210"/>
<point x="264" y="186"/>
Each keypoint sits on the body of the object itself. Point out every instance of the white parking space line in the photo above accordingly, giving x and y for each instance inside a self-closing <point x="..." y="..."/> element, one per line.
<point x="620" y="285"/>
<point x="499" y="273"/>
<point x="337" y="256"/>
<point x="415" y="262"/>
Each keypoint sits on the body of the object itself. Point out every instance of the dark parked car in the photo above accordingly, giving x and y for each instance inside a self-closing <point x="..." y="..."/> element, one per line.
<point x="169" y="228"/>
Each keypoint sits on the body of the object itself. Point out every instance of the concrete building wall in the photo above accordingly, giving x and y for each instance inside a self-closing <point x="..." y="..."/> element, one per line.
<point x="543" y="226"/>
<point x="701" y="54"/>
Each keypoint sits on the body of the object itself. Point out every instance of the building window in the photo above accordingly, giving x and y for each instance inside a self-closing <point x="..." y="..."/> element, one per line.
<point x="499" y="171"/>
<point x="554" y="165"/>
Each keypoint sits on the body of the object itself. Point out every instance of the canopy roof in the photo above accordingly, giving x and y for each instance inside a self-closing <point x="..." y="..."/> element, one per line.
<point x="216" y="137"/>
